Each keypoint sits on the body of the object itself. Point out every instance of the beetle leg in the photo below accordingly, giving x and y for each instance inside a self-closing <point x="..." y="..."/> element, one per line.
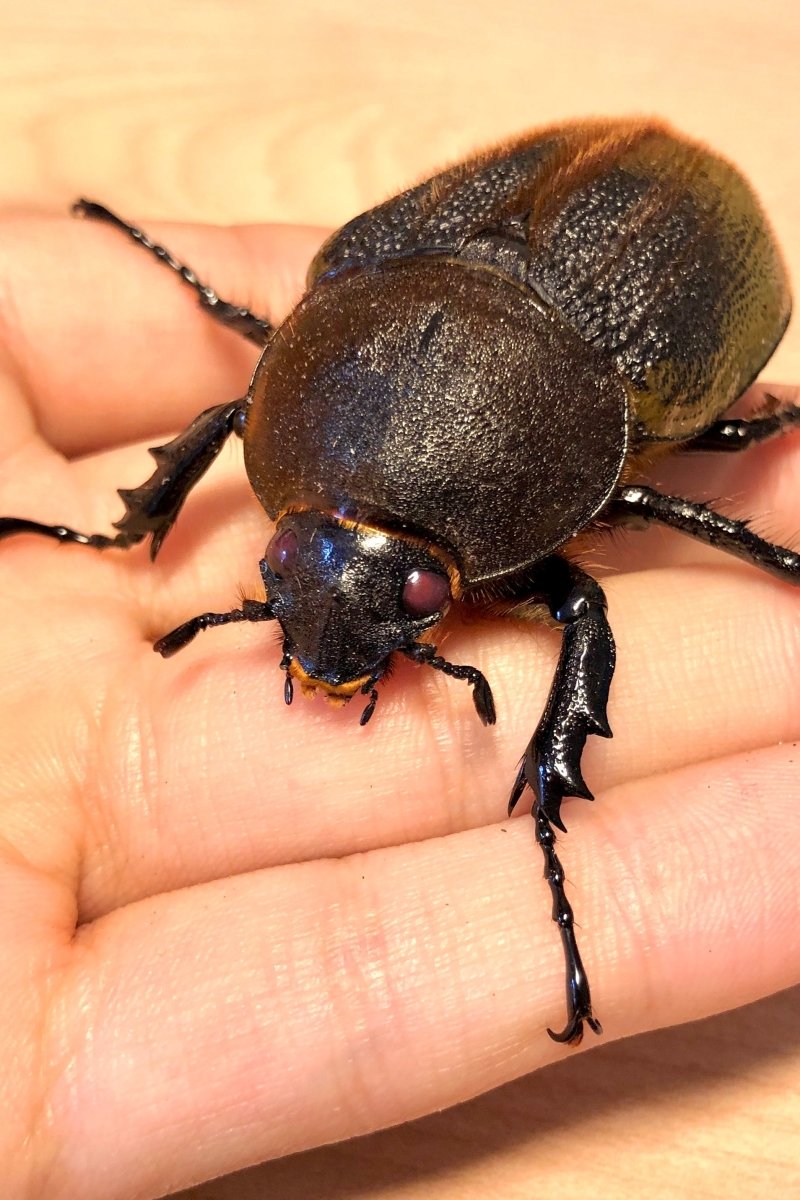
<point x="251" y="610"/>
<point x="152" y="507"/>
<point x="738" y="435"/>
<point x="233" y="316"/>
<point x="701" y="522"/>
<point x="576" y="707"/>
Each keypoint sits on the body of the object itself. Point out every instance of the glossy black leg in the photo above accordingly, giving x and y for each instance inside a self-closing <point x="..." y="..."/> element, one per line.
<point x="152" y="507"/>
<point x="233" y="316"/>
<point x="576" y="707"/>
<point x="579" y="998"/>
<point x="739" y="434"/>
<point x="251" y="610"/>
<point x="724" y="533"/>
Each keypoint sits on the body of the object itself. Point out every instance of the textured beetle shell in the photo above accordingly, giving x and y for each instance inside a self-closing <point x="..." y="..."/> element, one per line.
<point x="649" y="246"/>
<point x="436" y="396"/>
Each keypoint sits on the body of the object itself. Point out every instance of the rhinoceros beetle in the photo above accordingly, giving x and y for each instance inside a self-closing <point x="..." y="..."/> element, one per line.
<point x="479" y="371"/>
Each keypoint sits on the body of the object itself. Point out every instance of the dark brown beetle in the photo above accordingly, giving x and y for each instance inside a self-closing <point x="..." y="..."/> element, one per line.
<point x="480" y="370"/>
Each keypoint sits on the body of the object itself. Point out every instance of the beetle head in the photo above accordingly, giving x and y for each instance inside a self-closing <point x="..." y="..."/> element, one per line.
<point x="347" y="596"/>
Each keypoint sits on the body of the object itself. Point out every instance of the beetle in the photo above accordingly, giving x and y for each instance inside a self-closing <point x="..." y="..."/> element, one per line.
<point x="480" y="370"/>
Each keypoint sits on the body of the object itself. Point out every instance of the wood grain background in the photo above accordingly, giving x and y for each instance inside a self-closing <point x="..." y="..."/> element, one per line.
<point x="310" y="112"/>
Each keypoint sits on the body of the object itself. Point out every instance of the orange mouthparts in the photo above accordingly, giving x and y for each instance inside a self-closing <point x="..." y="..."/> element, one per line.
<point x="335" y="694"/>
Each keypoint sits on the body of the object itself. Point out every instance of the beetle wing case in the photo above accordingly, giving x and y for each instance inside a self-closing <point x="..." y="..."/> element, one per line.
<point x="648" y="243"/>
<point x="440" y="397"/>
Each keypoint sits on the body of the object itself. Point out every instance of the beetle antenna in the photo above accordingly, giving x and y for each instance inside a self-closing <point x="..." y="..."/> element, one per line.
<point x="422" y="652"/>
<point x="171" y="643"/>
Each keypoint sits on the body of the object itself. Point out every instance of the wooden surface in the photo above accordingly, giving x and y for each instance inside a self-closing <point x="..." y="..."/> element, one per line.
<point x="254" y="111"/>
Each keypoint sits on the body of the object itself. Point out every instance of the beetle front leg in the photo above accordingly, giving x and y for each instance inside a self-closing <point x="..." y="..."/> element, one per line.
<point x="576" y="707"/>
<point x="152" y="507"/>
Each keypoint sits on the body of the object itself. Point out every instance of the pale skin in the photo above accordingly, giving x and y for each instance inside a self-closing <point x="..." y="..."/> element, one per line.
<point x="232" y="930"/>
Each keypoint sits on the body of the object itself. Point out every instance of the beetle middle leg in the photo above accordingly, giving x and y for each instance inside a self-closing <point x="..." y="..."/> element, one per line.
<point x="575" y="708"/>
<point x="703" y="523"/>
<point x="152" y="507"/>
<point x="241" y="320"/>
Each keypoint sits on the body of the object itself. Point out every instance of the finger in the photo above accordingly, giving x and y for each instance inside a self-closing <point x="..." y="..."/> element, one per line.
<point x="257" y="1016"/>
<point x="106" y="345"/>
<point x="194" y="768"/>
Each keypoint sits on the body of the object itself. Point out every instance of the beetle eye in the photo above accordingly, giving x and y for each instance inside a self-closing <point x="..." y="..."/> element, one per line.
<point x="424" y="593"/>
<point x="282" y="552"/>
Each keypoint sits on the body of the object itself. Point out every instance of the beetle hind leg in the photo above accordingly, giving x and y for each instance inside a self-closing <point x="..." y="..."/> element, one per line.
<point x="736" y="435"/>
<point x="151" y="508"/>
<point x="241" y="320"/>
<point x="576" y="707"/>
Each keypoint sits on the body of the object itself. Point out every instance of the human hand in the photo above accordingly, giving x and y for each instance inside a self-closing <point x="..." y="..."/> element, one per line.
<point x="232" y="930"/>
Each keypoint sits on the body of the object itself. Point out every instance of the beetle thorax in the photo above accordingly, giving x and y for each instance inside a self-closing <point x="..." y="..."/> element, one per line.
<point x="438" y="397"/>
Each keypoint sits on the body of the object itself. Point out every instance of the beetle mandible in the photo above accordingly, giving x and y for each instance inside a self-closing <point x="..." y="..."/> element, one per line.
<point x="480" y="370"/>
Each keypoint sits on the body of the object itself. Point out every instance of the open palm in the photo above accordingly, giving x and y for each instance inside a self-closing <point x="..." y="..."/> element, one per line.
<point x="232" y="930"/>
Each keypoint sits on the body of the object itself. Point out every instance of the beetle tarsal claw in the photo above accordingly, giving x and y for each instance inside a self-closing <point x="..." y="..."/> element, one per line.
<point x="572" y="1033"/>
<point x="520" y="783"/>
